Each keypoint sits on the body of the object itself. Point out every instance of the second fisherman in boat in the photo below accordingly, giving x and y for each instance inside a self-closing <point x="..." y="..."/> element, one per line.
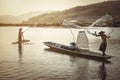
<point x="104" y="41"/>
<point x="20" y="36"/>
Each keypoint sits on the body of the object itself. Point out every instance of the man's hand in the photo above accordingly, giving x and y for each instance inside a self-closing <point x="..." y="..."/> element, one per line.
<point x="95" y="33"/>
<point x="108" y="37"/>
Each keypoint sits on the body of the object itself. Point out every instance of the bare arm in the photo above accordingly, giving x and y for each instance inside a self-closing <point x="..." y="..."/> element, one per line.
<point x="96" y="34"/>
<point x="108" y="37"/>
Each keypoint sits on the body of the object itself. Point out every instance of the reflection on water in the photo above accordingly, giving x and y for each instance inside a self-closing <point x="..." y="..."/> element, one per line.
<point x="40" y="64"/>
<point x="20" y="52"/>
<point x="102" y="73"/>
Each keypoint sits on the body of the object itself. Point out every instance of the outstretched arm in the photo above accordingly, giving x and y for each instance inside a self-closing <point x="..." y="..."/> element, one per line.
<point x="95" y="34"/>
<point x="108" y="36"/>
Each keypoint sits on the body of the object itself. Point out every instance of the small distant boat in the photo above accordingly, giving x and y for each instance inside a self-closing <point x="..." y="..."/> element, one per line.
<point x="72" y="50"/>
<point x="23" y="41"/>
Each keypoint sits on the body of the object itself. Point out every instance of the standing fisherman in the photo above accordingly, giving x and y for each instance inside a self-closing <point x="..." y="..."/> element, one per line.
<point x="104" y="41"/>
<point x="20" y="36"/>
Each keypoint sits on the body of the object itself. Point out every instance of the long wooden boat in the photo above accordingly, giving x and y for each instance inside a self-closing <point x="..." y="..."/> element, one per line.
<point x="74" y="51"/>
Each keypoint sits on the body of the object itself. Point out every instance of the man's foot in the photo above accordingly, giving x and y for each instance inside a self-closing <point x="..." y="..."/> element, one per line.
<point x="104" y="54"/>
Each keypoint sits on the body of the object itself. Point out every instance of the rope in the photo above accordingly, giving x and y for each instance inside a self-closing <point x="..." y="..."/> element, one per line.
<point x="72" y="34"/>
<point x="26" y="29"/>
<point x="29" y="28"/>
<point x="89" y="32"/>
<point x="110" y="32"/>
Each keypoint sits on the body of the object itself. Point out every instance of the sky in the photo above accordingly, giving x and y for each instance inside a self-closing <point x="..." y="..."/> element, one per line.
<point x="17" y="7"/>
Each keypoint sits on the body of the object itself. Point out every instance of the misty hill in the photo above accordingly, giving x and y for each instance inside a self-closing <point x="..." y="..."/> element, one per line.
<point x="18" y="19"/>
<point x="9" y="19"/>
<point x="99" y="9"/>
<point x="26" y="16"/>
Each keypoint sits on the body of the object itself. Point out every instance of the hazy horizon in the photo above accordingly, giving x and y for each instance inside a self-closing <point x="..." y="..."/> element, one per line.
<point x="18" y="7"/>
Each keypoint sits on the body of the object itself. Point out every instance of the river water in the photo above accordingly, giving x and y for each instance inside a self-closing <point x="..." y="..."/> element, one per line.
<point x="34" y="62"/>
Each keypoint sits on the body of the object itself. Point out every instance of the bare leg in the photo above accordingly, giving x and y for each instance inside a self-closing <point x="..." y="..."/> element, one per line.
<point x="104" y="53"/>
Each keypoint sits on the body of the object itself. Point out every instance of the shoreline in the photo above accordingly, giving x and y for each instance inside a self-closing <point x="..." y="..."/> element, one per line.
<point x="56" y="26"/>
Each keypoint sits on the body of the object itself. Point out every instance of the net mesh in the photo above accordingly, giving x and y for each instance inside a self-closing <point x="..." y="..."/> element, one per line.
<point x="82" y="40"/>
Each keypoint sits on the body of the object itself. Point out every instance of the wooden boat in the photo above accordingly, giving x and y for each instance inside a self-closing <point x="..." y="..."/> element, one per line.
<point x="72" y="50"/>
<point x="23" y="41"/>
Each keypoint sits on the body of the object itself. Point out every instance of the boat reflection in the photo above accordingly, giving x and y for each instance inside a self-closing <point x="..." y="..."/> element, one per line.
<point x="20" y="52"/>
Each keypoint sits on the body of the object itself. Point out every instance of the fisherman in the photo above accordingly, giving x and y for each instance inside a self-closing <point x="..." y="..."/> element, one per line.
<point x="20" y="36"/>
<point x="104" y="41"/>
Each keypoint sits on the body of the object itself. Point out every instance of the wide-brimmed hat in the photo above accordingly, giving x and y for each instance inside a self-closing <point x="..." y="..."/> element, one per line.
<point x="101" y="32"/>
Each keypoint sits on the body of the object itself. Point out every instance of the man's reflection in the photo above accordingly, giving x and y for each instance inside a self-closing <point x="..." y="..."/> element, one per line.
<point x="102" y="72"/>
<point x="20" y="51"/>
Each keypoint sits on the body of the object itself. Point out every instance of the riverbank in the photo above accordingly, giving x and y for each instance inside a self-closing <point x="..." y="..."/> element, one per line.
<point x="45" y="25"/>
<point x="31" y="25"/>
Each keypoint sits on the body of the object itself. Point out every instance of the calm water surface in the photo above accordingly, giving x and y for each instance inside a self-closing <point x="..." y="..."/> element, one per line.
<point x="34" y="62"/>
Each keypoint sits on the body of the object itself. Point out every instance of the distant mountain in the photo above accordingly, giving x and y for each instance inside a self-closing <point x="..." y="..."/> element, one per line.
<point x="26" y="16"/>
<point x="9" y="19"/>
<point x="99" y="9"/>
<point x="18" y="19"/>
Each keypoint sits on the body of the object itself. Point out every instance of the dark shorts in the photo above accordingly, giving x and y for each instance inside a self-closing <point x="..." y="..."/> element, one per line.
<point x="103" y="47"/>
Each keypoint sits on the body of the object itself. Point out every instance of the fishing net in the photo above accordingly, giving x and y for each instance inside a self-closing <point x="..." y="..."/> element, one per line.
<point x="82" y="40"/>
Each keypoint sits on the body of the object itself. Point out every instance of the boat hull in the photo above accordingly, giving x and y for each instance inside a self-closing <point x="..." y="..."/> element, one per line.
<point x="23" y="41"/>
<point x="79" y="53"/>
